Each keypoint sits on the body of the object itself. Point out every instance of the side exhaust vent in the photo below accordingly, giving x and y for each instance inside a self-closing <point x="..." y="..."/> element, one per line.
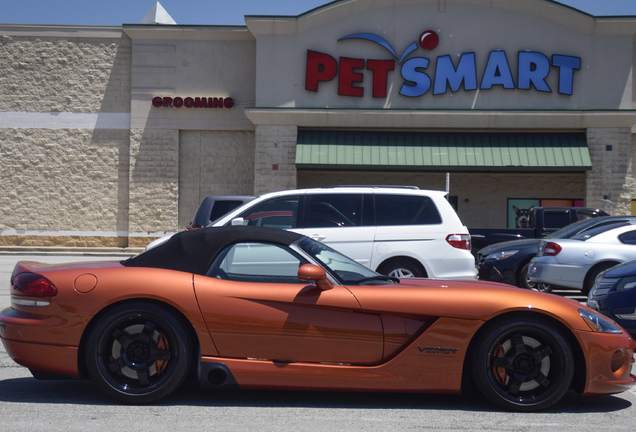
<point x="216" y="376"/>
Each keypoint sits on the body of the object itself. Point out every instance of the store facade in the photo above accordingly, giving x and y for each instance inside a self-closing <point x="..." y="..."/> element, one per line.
<point x="113" y="135"/>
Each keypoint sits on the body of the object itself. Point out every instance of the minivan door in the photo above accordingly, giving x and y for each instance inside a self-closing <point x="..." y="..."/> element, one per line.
<point x="343" y="221"/>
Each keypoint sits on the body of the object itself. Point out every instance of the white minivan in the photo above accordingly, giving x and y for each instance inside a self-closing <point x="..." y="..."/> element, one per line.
<point x="397" y="231"/>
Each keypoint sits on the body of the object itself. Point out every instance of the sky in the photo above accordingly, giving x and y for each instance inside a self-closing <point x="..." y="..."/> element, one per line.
<point x="204" y="12"/>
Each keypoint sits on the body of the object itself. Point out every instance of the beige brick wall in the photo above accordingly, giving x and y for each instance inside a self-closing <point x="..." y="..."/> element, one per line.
<point x="274" y="158"/>
<point x="60" y="179"/>
<point x="213" y="163"/>
<point x="49" y="74"/>
<point x="612" y="152"/>
<point x="154" y="180"/>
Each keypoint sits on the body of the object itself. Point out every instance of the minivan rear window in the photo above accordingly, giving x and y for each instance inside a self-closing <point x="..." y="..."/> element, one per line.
<point x="405" y="210"/>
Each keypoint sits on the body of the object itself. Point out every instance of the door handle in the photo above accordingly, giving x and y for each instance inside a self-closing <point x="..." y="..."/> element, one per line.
<point x="317" y="237"/>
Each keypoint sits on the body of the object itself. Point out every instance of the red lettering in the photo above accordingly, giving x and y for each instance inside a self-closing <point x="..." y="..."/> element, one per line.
<point x="380" y="70"/>
<point x="320" y="67"/>
<point x="348" y="77"/>
<point x="190" y="102"/>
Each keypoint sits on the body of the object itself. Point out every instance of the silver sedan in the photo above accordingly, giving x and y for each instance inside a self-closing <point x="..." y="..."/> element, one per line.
<point x="575" y="262"/>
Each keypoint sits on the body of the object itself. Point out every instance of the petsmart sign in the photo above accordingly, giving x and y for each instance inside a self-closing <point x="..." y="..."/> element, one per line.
<point x="424" y="75"/>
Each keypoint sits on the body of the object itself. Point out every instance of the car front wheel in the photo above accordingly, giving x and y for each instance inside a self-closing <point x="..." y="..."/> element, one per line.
<point x="523" y="364"/>
<point x="528" y="283"/>
<point x="138" y="353"/>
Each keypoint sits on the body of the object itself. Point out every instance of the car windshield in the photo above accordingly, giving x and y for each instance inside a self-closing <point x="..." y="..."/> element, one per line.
<point x="585" y="235"/>
<point x="581" y="226"/>
<point x="346" y="269"/>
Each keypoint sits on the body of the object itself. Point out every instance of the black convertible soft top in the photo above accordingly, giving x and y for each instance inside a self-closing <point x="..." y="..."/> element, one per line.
<point x="193" y="251"/>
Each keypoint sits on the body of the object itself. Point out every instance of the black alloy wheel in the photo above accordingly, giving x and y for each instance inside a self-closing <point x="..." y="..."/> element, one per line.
<point x="523" y="365"/>
<point x="138" y="353"/>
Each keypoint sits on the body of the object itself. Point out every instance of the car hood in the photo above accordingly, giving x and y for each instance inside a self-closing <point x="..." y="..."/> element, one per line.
<point x="622" y="270"/>
<point x="513" y="244"/>
<point x="476" y="300"/>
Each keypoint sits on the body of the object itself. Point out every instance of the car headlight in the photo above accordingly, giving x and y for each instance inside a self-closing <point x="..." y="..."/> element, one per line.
<point x="626" y="283"/>
<point x="598" y="323"/>
<point x="497" y="256"/>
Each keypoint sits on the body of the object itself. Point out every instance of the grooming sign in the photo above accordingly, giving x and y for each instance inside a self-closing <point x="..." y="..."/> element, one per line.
<point x="424" y="74"/>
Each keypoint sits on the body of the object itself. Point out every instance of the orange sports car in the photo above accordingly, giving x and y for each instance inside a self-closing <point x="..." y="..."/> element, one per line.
<point x="255" y="307"/>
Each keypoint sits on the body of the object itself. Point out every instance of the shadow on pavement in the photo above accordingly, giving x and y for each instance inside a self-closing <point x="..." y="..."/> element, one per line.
<point x="30" y="390"/>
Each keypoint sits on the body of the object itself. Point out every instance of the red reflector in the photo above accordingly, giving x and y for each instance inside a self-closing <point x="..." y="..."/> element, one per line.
<point x="551" y="249"/>
<point x="193" y="227"/>
<point x="459" y="241"/>
<point x="31" y="284"/>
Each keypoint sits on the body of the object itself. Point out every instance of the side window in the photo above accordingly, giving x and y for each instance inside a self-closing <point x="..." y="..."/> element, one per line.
<point x="221" y="208"/>
<point x="628" y="237"/>
<point x="405" y="210"/>
<point x="555" y="219"/>
<point x="281" y="212"/>
<point x="257" y="262"/>
<point x="334" y="210"/>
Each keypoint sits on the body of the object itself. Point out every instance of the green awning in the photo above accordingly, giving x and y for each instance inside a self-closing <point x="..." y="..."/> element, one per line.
<point x="333" y="149"/>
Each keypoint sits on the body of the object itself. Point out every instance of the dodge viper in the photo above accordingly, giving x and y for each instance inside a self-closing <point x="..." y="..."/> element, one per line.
<point x="253" y="307"/>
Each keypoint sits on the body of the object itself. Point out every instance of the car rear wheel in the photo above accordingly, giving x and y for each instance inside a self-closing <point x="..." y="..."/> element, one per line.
<point x="138" y="353"/>
<point x="401" y="268"/>
<point x="528" y="283"/>
<point x="523" y="365"/>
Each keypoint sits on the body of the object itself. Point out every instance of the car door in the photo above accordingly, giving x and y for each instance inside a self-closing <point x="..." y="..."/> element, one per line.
<point x="343" y="221"/>
<point x="255" y="307"/>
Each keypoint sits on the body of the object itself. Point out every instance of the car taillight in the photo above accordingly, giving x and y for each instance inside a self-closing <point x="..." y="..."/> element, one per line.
<point x="459" y="241"/>
<point x="193" y="227"/>
<point x="551" y="249"/>
<point x="31" y="284"/>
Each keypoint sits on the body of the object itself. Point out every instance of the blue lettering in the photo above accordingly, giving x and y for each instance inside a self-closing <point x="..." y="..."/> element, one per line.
<point x="566" y="65"/>
<point x="421" y="81"/>
<point x="446" y="73"/>
<point x="497" y="72"/>
<point x="534" y="67"/>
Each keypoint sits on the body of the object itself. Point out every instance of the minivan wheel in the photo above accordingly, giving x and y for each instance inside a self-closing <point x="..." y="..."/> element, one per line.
<point x="401" y="268"/>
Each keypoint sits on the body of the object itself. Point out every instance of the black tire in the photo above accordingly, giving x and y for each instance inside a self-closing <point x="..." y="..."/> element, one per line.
<point x="401" y="268"/>
<point x="138" y="353"/>
<point x="523" y="365"/>
<point x="590" y="278"/>
<point x="527" y="283"/>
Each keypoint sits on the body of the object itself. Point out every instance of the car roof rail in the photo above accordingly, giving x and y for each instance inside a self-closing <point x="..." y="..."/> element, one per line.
<point x="374" y="186"/>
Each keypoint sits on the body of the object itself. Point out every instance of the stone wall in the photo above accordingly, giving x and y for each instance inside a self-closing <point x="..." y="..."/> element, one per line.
<point x="65" y="137"/>
<point x="611" y="150"/>
<point x="54" y="74"/>
<point x="274" y="158"/>
<point x="154" y="183"/>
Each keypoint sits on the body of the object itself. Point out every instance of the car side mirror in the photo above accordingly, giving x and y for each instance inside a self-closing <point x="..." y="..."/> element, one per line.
<point x="238" y="222"/>
<point x="310" y="272"/>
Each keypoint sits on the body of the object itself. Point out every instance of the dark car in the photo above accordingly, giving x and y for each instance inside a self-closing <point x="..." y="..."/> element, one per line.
<point x="508" y="262"/>
<point x="214" y="206"/>
<point x="613" y="295"/>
